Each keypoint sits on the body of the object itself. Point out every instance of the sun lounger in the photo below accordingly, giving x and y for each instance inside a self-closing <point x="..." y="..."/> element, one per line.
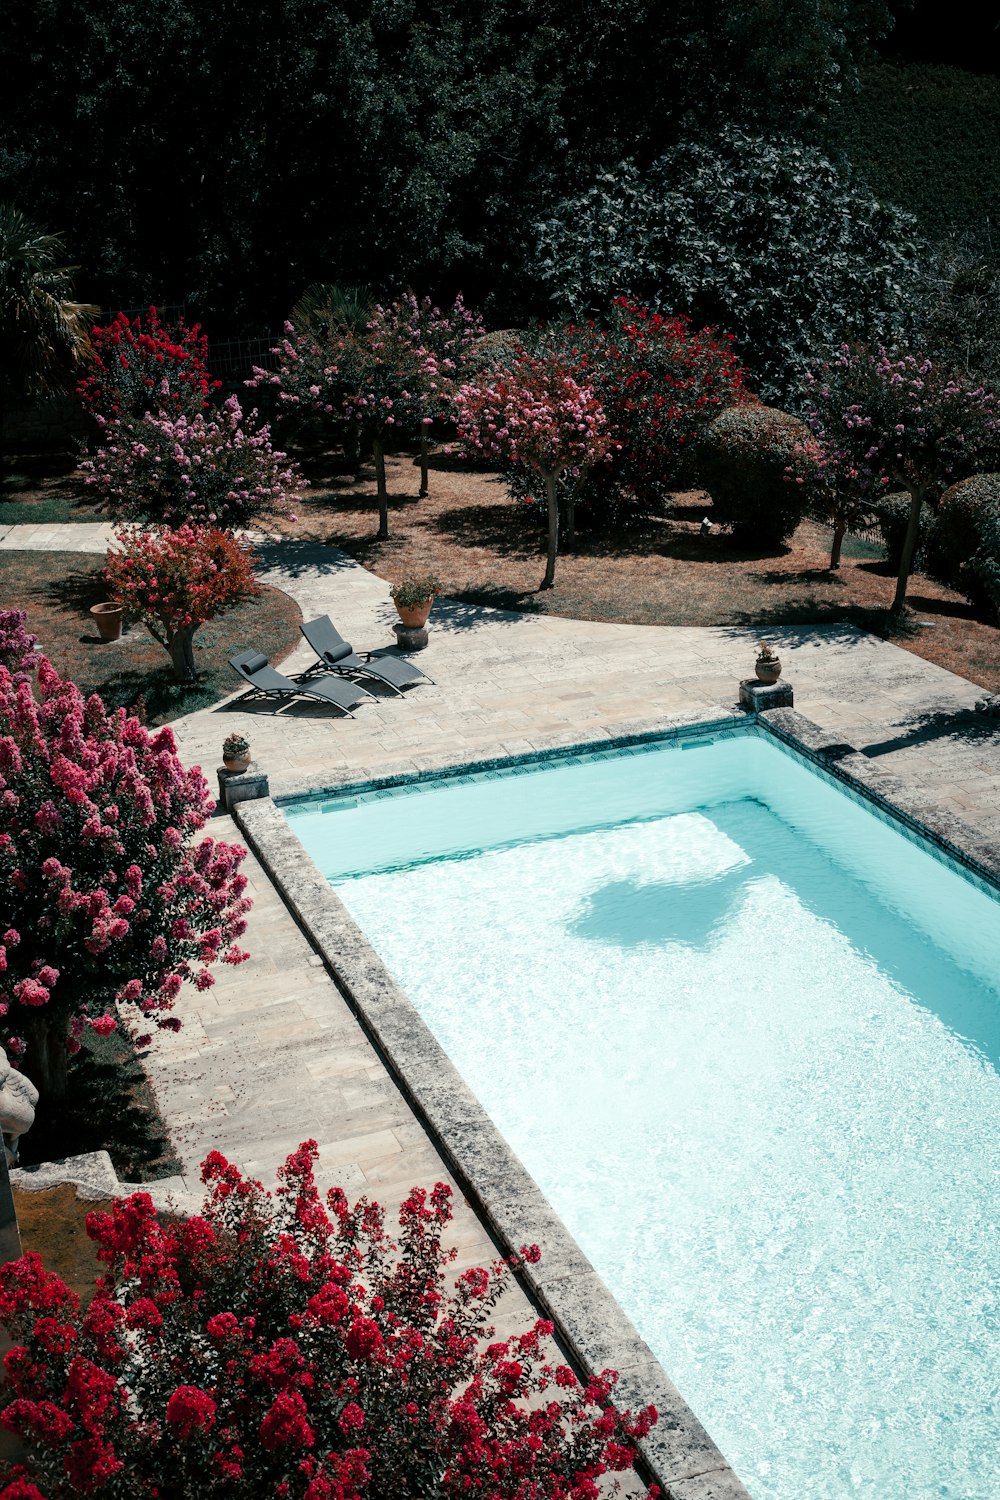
<point x="255" y="670"/>
<point x="339" y="657"/>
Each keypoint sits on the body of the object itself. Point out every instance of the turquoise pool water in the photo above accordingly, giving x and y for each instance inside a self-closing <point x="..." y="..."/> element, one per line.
<point x="745" y="1036"/>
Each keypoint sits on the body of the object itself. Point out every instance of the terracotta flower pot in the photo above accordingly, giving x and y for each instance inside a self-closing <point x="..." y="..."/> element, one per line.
<point x="414" y="614"/>
<point x="236" y="763"/>
<point x="768" y="672"/>
<point x="108" y="619"/>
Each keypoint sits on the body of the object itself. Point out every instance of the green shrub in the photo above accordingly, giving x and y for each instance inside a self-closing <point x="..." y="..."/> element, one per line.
<point x="985" y="563"/>
<point x="969" y="530"/>
<point x="742" y="457"/>
<point x="764" y="238"/>
<point x="893" y="516"/>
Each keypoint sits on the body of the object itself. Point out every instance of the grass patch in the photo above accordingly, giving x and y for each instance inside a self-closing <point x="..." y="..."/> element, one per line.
<point x="110" y="1107"/>
<point x="58" y="588"/>
<point x="50" y="509"/>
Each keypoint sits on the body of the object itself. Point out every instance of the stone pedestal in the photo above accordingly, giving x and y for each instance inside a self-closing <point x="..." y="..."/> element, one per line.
<point x="756" y="696"/>
<point x="410" y="637"/>
<point x="241" y="786"/>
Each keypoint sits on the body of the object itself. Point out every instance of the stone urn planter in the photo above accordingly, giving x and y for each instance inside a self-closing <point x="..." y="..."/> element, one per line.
<point x="767" y="666"/>
<point x="108" y="619"/>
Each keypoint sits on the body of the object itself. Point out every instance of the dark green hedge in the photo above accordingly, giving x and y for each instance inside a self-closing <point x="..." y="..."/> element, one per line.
<point x="927" y="138"/>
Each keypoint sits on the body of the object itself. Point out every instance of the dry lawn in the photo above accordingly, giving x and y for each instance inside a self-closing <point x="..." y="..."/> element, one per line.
<point x="487" y="550"/>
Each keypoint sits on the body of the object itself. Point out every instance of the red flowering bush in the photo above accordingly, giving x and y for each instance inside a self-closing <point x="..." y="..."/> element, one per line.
<point x="145" y="365"/>
<point x="175" y="581"/>
<point x="283" y="1347"/>
<point x="537" y="415"/>
<point x="208" y="470"/>
<point x="660" y="382"/>
<point x="106" y="899"/>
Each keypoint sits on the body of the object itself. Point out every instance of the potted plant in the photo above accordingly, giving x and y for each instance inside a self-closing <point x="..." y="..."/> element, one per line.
<point x="235" y="752"/>
<point x="413" y="598"/>
<point x="767" y="666"/>
<point x="108" y="619"/>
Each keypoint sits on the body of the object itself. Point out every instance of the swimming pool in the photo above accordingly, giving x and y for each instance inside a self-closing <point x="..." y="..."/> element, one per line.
<point x="744" y="1035"/>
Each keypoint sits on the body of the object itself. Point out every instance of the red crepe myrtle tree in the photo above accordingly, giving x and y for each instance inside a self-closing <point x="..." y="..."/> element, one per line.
<point x="660" y="381"/>
<point x="107" y="900"/>
<point x="176" y="580"/>
<point x="901" y="419"/>
<point x="146" y="366"/>
<point x="283" y="1346"/>
<point x="838" y="491"/>
<point x="450" y="336"/>
<point x="210" y="470"/>
<point x="536" y="414"/>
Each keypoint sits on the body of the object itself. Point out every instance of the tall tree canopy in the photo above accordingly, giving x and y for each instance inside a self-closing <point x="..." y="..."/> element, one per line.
<point x="200" y="152"/>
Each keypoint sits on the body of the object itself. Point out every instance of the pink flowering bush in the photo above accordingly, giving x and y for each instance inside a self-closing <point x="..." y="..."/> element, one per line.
<point x="283" y="1346"/>
<point x="536" y="414"/>
<point x="146" y="366"/>
<point x="884" y="419"/>
<point x="834" y="489"/>
<point x="18" y="651"/>
<point x="107" y="901"/>
<point x="390" y="381"/>
<point x="206" y="470"/>
<point x="175" y="581"/>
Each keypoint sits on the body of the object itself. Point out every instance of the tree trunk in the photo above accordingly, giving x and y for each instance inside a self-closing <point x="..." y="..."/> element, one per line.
<point x="424" y="491"/>
<point x="46" y="1061"/>
<point x="909" y="549"/>
<point x="838" y="542"/>
<point x="571" y="517"/>
<point x="383" y="496"/>
<point x="553" y="540"/>
<point x="181" y="648"/>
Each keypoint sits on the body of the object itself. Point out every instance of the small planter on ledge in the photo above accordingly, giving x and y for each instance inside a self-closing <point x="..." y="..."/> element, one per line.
<point x="235" y="753"/>
<point x="768" y="665"/>
<point x="108" y="619"/>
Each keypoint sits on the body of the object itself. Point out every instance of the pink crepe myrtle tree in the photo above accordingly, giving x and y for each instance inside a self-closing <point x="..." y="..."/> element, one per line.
<point x="450" y="336"/>
<point x="177" y="580"/>
<point x="209" y="469"/>
<point x="838" y="492"/>
<point x="536" y="414"/>
<point x="108" y="901"/>
<point x="283" y="1345"/>
<point x="391" y="379"/>
<point x="898" y="418"/>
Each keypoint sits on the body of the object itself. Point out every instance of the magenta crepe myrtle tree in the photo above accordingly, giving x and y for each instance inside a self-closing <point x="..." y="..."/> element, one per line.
<point x="18" y="645"/>
<point x="108" y="902"/>
<point x="899" y="419"/>
<point x="215" y="468"/>
<point x="536" y="414"/>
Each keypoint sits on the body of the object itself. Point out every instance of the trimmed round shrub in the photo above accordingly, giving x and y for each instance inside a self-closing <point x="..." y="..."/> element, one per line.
<point x="741" y="460"/>
<point x="968" y="527"/>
